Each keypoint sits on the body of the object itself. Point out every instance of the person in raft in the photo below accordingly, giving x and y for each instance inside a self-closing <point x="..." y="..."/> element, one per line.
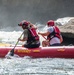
<point x="30" y="35"/>
<point x="53" y="34"/>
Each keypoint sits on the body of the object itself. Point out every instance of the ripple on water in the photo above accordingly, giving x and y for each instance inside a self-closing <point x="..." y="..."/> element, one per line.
<point x="42" y="66"/>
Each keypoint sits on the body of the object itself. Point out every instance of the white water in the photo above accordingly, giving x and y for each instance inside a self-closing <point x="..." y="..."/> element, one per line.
<point x="42" y="66"/>
<point x="9" y="37"/>
<point x="28" y="66"/>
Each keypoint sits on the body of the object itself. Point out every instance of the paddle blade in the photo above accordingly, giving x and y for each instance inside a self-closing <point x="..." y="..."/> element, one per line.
<point x="12" y="52"/>
<point x="8" y="56"/>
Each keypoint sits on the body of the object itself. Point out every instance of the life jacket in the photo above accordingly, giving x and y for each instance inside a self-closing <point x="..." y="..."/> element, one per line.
<point x="55" y="33"/>
<point x="32" y="35"/>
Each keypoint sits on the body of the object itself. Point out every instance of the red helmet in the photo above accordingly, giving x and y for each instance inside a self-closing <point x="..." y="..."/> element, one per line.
<point x="50" y="23"/>
<point x="24" y="22"/>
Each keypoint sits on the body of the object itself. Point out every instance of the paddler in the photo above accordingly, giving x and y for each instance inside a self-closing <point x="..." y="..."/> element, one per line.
<point x="30" y="35"/>
<point x="53" y="34"/>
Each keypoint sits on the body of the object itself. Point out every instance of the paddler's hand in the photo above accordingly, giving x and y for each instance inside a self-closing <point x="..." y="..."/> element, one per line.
<point x="19" y="39"/>
<point x="39" y="33"/>
<point x="42" y="35"/>
<point x="24" y="39"/>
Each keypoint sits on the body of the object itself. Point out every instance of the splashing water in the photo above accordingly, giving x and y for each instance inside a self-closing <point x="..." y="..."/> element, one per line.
<point x="10" y="37"/>
<point x="42" y="66"/>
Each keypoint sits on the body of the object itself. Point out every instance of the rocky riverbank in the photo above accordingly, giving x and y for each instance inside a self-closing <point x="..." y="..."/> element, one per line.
<point x="66" y="26"/>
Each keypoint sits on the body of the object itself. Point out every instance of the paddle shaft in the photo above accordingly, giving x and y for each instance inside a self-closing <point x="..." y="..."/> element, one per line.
<point x="44" y="37"/>
<point x="12" y="51"/>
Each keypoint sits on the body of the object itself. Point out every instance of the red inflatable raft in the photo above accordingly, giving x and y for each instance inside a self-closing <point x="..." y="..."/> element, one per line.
<point x="41" y="52"/>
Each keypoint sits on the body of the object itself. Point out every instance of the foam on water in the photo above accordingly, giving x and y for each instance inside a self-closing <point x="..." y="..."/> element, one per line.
<point x="9" y="37"/>
<point x="42" y="66"/>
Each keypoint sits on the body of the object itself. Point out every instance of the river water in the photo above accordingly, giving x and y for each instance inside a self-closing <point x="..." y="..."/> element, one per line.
<point x="42" y="66"/>
<point x="29" y="66"/>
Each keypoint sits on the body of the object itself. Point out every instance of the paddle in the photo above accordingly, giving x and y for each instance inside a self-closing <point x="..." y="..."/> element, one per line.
<point x="44" y="37"/>
<point x="11" y="52"/>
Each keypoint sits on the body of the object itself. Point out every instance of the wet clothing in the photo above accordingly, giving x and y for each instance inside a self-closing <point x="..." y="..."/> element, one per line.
<point x="54" y="36"/>
<point x="32" y="41"/>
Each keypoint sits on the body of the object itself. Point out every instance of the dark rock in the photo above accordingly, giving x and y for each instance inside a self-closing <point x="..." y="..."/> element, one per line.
<point x="67" y="27"/>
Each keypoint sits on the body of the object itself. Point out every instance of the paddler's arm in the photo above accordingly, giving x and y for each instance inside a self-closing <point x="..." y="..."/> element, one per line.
<point x="61" y="38"/>
<point x="25" y="36"/>
<point x="24" y="39"/>
<point x="44" y="33"/>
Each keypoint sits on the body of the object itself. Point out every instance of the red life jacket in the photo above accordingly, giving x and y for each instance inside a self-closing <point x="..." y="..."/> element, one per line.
<point x="32" y="36"/>
<point x="55" y="33"/>
<point x="34" y="33"/>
